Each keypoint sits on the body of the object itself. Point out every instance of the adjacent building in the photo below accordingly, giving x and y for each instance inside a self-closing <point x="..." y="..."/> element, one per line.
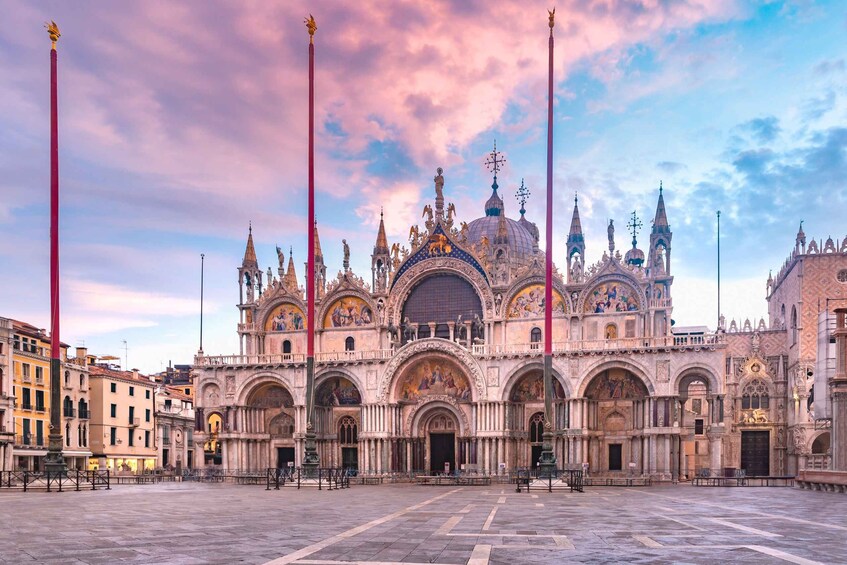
<point x="30" y="359"/>
<point x="123" y="426"/>
<point x="175" y="429"/>
<point x="7" y="396"/>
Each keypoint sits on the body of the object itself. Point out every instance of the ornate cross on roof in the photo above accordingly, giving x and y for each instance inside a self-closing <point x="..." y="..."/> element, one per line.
<point x="522" y="195"/>
<point x="495" y="160"/>
<point x="634" y="225"/>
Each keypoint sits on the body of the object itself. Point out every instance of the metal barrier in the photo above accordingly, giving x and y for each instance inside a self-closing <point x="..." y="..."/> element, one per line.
<point x="558" y="479"/>
<point x="59" y="481"/>
<point x="333" y="478"/>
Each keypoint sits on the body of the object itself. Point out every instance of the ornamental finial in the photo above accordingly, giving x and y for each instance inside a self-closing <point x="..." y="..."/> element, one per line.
<point x="53" y="30"/>
<point x="552" y="15"/>
<point x="312" y="26"/>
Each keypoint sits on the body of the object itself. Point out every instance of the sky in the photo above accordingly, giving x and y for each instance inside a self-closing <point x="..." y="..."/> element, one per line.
<point x="182" y="123"/>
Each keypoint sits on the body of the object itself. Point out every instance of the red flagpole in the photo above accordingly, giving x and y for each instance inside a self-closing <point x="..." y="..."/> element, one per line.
<point x="54" y="208"/>
<point x="547" y="463"/>
<point x="53" y="460"/>
<point x="311" y="459"/>
<point x="548" y="271"/>
<point x="310" y="275"/>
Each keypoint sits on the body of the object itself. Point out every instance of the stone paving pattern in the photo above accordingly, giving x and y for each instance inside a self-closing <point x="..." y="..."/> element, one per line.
<point x="192" y="523"/>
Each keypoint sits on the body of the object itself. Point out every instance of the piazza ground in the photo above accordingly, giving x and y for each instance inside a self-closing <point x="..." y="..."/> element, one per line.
<point x="201" y="523"/>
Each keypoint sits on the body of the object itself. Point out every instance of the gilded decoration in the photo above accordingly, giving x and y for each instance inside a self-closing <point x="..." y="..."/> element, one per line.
<point x="531" y="389"/>
<point x="338" y="391"/>
<point x="433" y="376"/>
<point x="271" y="396"/>
<point x="433" y="346"/>
<point x="616" y="384"/>
<point x="529" y="303"/>
<point x="609" y="297"/>
<point x="350" y="311"/>
<point x="285" y="318"/>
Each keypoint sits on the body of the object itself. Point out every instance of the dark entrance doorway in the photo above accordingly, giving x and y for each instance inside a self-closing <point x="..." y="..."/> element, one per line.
<point x="442" y="449"/>
<point x="283" y="456"/>
<point x="756" y="453"/>
<point x="536" y="455"/>
<point x="350" y="458"/>
<point x="615" y="457"/>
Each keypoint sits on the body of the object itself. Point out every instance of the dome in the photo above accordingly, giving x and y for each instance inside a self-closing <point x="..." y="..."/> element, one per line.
<point x="521" y="241"/>
<point x="634" y="257"/>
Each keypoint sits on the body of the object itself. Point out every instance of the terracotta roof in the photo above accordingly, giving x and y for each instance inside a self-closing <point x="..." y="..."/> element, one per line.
<point x="97" y="371"/>
<point x="177" y="393"/>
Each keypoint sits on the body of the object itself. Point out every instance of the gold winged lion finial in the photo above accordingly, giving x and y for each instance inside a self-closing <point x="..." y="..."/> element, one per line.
<point x="53" y="31"/>
<point x="312" y="26"/>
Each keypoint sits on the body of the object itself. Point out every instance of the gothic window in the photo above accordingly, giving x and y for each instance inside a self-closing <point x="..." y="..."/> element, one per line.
<point x="67" y="378"/>
<point x="286" y="347"/>
<point x="69" y="407"/>
<point x="755" y="396"/>
<point x="349" y="344"/>
<point x="536" y="428"/>
<point x="535" y="338"/>
<point x="793" y="325"/>
<point x="348" y="431"/>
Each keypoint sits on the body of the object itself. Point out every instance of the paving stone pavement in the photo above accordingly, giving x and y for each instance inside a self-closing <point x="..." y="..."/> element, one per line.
<point x="189" y="523"/>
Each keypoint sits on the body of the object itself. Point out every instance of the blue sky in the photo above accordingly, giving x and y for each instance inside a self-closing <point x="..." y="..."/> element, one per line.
<point x="178" y="130"/>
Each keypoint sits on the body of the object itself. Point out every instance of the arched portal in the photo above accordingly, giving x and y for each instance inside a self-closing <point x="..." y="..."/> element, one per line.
<point x="440" y="428"/>
<point x="616" y="414"/>
<point x="212" y="447"/>
<point x="269" y="411"/>
<point x="338" y="404"/>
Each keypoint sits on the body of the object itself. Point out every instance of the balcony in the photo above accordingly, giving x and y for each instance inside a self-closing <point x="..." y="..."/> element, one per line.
<point x="166" y="440"/>
<point x="84" y="415"/>
<point x="631" y="344"/>
<point x="68" y="412"/>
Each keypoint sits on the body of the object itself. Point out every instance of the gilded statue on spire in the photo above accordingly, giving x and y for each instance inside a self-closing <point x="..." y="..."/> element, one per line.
<point x="53" y="31"/>
<point x="312" y="26"/>
<point x="552" y="15"/>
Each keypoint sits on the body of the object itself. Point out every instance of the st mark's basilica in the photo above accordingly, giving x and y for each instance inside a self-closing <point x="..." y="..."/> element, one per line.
<point x="435" y="363"/>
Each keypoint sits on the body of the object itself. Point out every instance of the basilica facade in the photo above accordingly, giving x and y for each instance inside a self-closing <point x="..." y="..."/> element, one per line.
<point x="435" y="363"/>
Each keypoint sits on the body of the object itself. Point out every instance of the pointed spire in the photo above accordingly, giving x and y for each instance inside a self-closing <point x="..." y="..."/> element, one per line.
<point x="502" y="236"/>
<point x="575" y="234"/>
<point x="291" y="274"/>
<point x="319" y="256"/>
<point x="381" y="241"/>
<point x="250" y="260"/>
<point x="660" y="223"/>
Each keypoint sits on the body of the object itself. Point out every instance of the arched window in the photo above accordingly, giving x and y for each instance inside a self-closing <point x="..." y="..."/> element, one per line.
<point x="348" y="431"/>
<point x="755" y="396"/>
<point x="68" y="407"/>
<point x="79" y="435"/>
<point x="286" y="347"/>
<point x="83" y="408"/>
<point x="81" y="381"/>
<point x="349" y="344"/>
<point x="67" y="378"/>
<point x="67" y="435"/>
<point x="535" y="338"/>
<point x="536" y="428"/>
